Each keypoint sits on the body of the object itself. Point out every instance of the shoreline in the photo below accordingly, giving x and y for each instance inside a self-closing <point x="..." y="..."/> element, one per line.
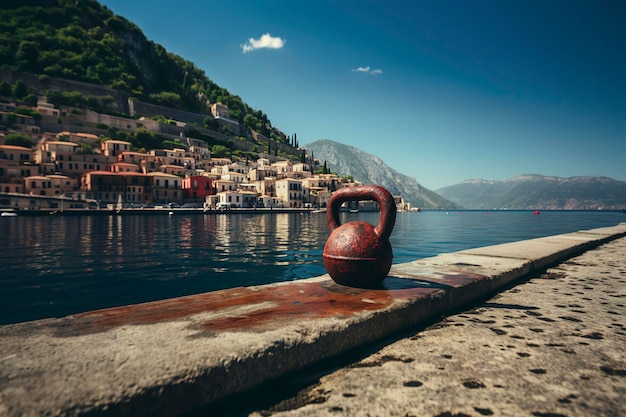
<point x="154" y="211"/>
<point x="199" y="211"/>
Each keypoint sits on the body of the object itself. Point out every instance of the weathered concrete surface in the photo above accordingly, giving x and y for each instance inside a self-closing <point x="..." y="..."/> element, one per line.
<point x="553" y="346"/>
<point x="170" y="356"/>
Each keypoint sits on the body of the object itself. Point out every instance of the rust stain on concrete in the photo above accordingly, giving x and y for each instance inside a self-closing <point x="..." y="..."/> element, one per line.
<point x="283" y="303"/>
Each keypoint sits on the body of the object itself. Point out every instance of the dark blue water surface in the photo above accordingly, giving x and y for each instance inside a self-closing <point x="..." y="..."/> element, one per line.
<point x="54" y="266"/>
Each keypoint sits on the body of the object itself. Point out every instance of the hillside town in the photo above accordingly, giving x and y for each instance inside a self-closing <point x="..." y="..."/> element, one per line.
<point x="78" y="170"/>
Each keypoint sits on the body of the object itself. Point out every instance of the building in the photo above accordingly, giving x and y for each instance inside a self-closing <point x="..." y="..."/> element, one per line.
<point x="291" y="192"/>
<point x="50" y="185"/>
<point x="166" y="188"/>
<point x="87" y="139"/>
<point x="114" y="147"/>
<point x="19" y="122"/>
<point x="52" y="151"/>
<point x="237" y="199"/>
<point x="15" y="164"/>
<point x="120" y="167"/>
<point x="220" y="114"/>
<point x="47" y="109"/>
<point x="129" y="188"/>
<point x="196" y="188"/>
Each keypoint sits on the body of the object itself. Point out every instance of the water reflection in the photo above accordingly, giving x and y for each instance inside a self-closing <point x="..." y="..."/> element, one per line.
<point x="53" y="266"/>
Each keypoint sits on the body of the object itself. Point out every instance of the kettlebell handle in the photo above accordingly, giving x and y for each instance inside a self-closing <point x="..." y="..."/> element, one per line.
<point x="362" y="193"/>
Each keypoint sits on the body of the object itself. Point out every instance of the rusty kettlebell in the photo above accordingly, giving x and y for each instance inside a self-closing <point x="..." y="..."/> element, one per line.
<point x="357" y="253"/>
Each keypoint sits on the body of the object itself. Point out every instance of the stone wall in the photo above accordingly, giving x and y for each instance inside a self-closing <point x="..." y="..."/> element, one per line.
<point x="141" y="108"/>
<point x="53" y="83"/>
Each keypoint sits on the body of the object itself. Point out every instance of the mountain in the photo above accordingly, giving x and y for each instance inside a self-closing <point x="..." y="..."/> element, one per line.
<point x="369" y="169"/>
<point x="534" y="192"/>
<point x="86" y="42"/>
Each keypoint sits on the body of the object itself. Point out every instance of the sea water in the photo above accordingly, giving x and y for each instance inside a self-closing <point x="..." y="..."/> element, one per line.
<point x="58" y="265"/>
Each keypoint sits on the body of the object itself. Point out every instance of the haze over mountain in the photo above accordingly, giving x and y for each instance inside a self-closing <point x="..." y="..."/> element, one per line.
<point x="536" y="192"/>
<point x="370" y="169"/>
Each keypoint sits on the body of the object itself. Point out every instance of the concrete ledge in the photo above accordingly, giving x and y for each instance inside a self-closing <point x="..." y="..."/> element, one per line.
<point x="170" y="356"/>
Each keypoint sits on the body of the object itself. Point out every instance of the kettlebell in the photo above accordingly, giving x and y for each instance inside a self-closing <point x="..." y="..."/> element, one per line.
<point x="357" y="253"/>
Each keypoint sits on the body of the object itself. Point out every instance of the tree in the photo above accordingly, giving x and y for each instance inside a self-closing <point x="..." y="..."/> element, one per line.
<point x="30" y="100"/>
<point x="28" y="112"/>
<point x="27" y="56"/>
<point x="93" y="103"/>
<point x="108" y="103"/>
<point x="20" y="90"/>
<point x="18" y="139"/>
<point x="143" y="138"/>
<point x="219" y="150"/>
<point x="210" y="123"/>
<point x="5" y="89"/>
<point x="166" y="98"/>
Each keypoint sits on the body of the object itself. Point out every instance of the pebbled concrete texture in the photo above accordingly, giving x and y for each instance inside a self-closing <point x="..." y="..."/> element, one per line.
<point x="172" y="356"/>
<point x="552" y="346"/>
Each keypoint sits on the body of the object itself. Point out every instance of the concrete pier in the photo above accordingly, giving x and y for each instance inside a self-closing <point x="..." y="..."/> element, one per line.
<point x="551" y="346"/>
<point x="508" y="356"/>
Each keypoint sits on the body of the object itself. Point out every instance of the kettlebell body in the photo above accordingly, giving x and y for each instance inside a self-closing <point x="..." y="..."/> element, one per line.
<point x="357" y="253"/>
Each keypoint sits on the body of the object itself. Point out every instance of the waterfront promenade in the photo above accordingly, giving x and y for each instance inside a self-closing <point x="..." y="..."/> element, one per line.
<point x="553" y="345"/>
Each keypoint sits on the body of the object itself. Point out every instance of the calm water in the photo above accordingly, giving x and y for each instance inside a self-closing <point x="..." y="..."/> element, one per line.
<point x="55" y="266"/>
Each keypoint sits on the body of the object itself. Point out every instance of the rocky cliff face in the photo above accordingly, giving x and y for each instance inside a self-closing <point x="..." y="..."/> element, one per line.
<point x="369" y="169"/>
<point x="533" y="192"/>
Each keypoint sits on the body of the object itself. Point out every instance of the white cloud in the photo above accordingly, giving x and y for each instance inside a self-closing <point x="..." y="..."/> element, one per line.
<point x="368" y="70"/>
<point x="266" y="41"/>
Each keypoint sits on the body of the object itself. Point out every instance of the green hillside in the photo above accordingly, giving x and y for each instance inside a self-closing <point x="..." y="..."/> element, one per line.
<point x="85" y="41"/>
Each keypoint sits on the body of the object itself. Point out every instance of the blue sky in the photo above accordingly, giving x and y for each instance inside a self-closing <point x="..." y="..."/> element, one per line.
<point x="441" y="90"/>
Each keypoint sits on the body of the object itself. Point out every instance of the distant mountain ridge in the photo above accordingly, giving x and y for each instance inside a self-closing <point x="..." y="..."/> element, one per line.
<point x="369" y="169"/>
<point x="535" y="192"/>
